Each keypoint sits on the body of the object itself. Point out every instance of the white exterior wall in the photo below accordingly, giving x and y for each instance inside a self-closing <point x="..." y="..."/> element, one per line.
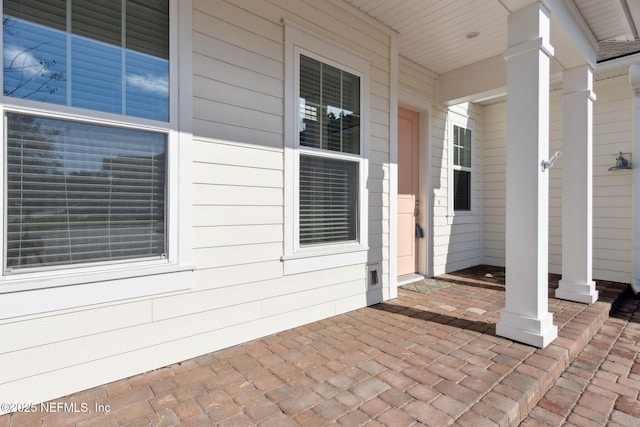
<point x="555" y="182"/>
<point x="612" y="212"/>
<point x="239" y="291"/>
<point x="458" y="241"/>
<point x="417" y="93"/>
<point x="455" y="241"/>
<point x="494" y="184"/>
<point x="417" y="80"/>
<point x="457" y="237"/>
<point x="612" y="191"/>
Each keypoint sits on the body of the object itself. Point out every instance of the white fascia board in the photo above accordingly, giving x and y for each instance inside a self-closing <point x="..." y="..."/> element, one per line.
<point x="617" y="64"/>
<point x="482" y="80"/>
<point x="570" y="24"/>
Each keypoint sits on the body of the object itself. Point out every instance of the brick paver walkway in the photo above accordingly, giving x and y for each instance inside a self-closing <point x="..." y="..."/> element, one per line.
<point x="602" y="385"/>
<point x="431" y="359"/>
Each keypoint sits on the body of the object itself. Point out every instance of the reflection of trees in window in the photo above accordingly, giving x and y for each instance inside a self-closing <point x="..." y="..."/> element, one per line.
<point x="329" y="110"/>
<point x="26" y="71"/>
<point x="343" y="132"/>
<point x="31" y="152"/>
<point x="82" y="193"/>
<point x="110" y="56"/>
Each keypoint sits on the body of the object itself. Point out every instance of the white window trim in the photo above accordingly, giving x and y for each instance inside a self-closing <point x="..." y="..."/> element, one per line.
<point x="298" y="259"/>
<point x="31" y="293"/>
<point x="453" y="216"/>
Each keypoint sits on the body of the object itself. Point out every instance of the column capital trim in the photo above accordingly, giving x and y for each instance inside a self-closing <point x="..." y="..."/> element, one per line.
<point x="580" y="94"/>
<point x="536" y="44"/>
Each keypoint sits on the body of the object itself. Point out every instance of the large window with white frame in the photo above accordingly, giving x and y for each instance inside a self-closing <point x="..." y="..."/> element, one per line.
<point x="325" y="212"/>
<point x="86" y="132"/>
<point x="329" y="153"/>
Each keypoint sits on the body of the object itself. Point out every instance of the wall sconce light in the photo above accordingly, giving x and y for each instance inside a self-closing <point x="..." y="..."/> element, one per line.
<point x="621" y="163"/>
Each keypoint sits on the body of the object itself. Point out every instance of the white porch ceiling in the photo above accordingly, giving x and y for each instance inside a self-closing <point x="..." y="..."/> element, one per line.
<point x="433" y="33"/>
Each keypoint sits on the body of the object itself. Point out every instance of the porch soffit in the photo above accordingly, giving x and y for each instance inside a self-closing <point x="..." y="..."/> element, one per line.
<point x="434" y="33"/>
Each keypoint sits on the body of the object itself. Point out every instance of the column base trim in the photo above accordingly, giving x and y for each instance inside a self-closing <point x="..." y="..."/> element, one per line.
<point x="584" y="292"/>
<point x="536" y="332"/>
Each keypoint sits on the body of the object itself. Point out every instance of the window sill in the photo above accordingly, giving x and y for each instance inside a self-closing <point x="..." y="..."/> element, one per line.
<point x="321" y="260"/>
<point x="462" y="218"/>
<point x="23" y="295"/>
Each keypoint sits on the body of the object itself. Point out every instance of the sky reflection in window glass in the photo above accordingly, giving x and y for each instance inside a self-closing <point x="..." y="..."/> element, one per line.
<point x="36" y="67"/>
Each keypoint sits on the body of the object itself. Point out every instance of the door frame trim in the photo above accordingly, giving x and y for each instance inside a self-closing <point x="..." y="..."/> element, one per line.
<point x="423" y="106"/>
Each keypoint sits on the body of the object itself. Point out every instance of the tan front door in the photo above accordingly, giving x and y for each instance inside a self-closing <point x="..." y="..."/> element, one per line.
<point x="407" y="190"/>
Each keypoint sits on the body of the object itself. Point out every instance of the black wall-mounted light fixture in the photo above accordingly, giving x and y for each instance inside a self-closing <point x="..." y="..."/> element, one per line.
<point x="621" y="163"/>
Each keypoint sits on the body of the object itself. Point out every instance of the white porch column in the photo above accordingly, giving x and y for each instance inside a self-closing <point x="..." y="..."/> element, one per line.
<point x="634" y="79"/>
<point x="577" y="163"/>
<point x="526" y="317"/>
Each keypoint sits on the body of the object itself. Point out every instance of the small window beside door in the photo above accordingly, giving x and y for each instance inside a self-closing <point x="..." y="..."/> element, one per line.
<point x="461" y="169"/>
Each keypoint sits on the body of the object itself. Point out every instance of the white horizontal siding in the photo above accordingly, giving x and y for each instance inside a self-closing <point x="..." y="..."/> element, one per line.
<point x="64" y="326"/>
<point x="555" y="184"/>
<point x="238" y="135"/>
<point x="236" y="154"/>
<point x="439" y="186"/>
<point x="236" y="23"/>
<point x="212" y="257"/>
<point x="416" y="79"/>
<point x="233" y="294"/>
<point x="204" y="194"/>
<point x="231" y="275"/>
<point x="229" y="73"/>
<point x="34" y="361"/>
<point x="612" y="191"/>
<point x="235" y="215"/>
<point x="223" y="236"/>
<point x="494" y="182"/>
<point x="237" y="116"/>
<point x="212" y="173"/>
<point x="457" y="239"/>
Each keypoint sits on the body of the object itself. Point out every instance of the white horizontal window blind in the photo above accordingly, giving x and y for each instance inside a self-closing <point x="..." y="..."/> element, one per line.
<point x="329" y="154"/>
<point x="108" y="55"/>
<point x="461" y="146"/>
<point x="98" y="20"/>
<point x="50" y="13"/>
<point x="147" y="27"/>
<point x="329" y="107"/>
<point x="82" y="193"/>
<point x="328" y="200"/>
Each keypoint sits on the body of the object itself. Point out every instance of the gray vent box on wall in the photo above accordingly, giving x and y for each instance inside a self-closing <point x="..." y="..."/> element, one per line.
<point x="374" y="275"/>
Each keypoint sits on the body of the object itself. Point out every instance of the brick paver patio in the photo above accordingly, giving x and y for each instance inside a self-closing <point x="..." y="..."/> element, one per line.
<point x="424" y="358"/>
